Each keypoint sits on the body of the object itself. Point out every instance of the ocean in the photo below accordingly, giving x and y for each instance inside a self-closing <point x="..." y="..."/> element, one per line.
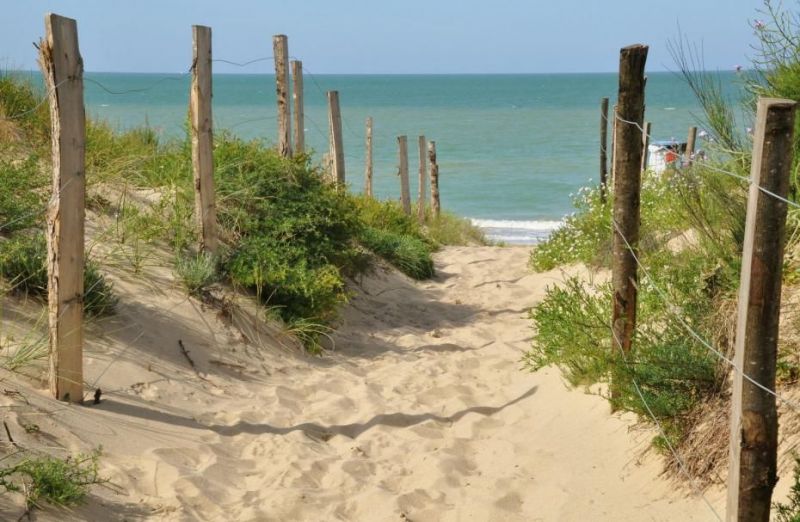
<point x="512" y="149"/>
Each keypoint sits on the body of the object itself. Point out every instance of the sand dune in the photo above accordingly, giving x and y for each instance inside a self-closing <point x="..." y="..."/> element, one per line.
<point x="421" y="412"/>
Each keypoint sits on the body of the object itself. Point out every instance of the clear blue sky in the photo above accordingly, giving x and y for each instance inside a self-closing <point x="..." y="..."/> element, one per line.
<point x="379" y="36"/>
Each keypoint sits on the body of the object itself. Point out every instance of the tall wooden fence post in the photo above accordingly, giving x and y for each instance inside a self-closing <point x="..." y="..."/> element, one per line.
<point x="423" y="178"/>
<point x="299" y="126"/>
<point x="203" y="139"/>
<point x="62" y="68"/>
<point x="646" y="145"/>
<point x="368" y="161"/>
<point x="603" y="149"/>
<point x="405" y="192"/>
<point x="754" y="424"/>
<point x="627" y="187"/>
<point x="690" y="144"/>
<point x="435" y="205"/>
<point x="280" y="50"/>
<point x="335" y="129"/>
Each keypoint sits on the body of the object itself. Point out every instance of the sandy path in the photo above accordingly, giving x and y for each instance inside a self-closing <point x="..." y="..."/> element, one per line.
<point x="421" y="413"/>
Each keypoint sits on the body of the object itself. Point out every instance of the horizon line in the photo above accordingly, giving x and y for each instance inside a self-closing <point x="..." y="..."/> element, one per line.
<point x="565" y="73"/>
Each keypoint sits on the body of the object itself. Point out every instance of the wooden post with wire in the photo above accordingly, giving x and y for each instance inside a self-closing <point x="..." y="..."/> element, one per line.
<point x="690" y="144"/>
<point x="405" y="192"/>
<point x="423" y="178"/>
<point x="299" y="124"/>
<point x="603" y="149"/>
<point x="752" y="472"/>
<point x="627" y="188"/>
<point x="336" y="146"/>
<point x="62" y="68"/>
<point x="203" y="139"/>
<point x="435" y="204"/>
<point x="368" y="160"/>
<point x="280" y="50"/>
<point x="646" y="144"/>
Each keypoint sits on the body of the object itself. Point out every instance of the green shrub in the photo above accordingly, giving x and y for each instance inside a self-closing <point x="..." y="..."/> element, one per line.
<point x="62" y="482"/>
<point x="23" y="265"/>
<point x="386" y="215"/>
<point x="294" y="234"/>
<point x="672" y="369"/>
<point x="409" y="254"/>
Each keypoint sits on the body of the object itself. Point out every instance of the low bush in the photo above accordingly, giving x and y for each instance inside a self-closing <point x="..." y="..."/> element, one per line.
<point x="197" y="271"/>
<point x="61" y="482"/>
<point x="408" y="253"/>
<point x="23" y="265"/>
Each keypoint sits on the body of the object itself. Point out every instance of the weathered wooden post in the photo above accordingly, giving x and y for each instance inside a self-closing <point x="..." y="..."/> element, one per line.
<point x="645" y="145"/>
<point x="603" y="150"/>
<point x="435" y="205"/>
<point x="368" y="161"/>
<point x="335" y="129"/>
<point x="203" y="139"/>
<point x="614" y="124"/>
<point x="405" y="193"/>
<point x="423" y="178"/>
<point x="299" y="126"/>
<point x="627" y="188"/>
<point x="752" y="473"/>
<point x="280" y="51"/>
<point x="690" y="144"/>
<point x="62" y="68"/>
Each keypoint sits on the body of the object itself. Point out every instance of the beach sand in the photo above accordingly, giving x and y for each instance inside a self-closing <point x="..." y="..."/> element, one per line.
<point x="421" y="412"/>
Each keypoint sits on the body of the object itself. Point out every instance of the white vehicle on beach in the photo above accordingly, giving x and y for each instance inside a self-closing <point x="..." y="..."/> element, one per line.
<point x="665" y="154"/>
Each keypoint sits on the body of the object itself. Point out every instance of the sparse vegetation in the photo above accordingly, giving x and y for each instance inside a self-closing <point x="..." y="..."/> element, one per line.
<point x="61" y="482"/>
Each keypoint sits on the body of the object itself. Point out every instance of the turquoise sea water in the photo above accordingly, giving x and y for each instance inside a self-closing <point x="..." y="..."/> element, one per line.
<point x="511" y="148"/>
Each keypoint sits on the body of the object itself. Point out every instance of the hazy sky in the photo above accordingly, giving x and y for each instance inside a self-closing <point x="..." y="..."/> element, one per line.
<point x="380" y="36"/>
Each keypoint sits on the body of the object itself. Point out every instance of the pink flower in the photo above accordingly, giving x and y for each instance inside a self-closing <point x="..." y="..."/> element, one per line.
<point x="759" y="24"/>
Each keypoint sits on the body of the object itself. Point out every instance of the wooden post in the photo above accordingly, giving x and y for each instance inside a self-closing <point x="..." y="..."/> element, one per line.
<point x="627" y="188"/>
<point x="603" y="145"/>
<point x="299" y="111"/>
<point x="435" y="205"/>
<point x="754" y="424"/>
<point x="614" y="123"/>
<point x="690" y="144"/>
<point x="335" y="129"/>
<point x="280" y="50"/>
<point x="368" y="161"/>
<point x="405" y="193"/>
<point x="645" y="145"/>
<point x="203" y="139"/>
<point x="62" y="68"/>
<point x="423" y="178"/>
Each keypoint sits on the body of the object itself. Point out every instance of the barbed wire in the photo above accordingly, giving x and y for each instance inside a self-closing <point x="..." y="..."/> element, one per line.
<point x="243" y="64"/>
